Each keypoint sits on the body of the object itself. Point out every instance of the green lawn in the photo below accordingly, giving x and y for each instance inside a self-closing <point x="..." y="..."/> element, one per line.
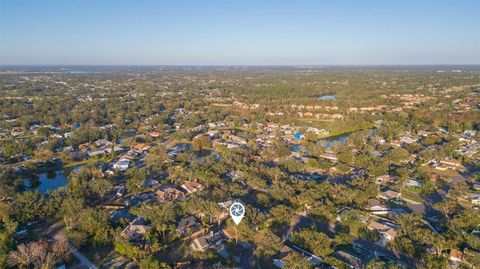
<point x="104" y="159"/>
<point x="336" y="131"/>
<point x="446" y="173"/>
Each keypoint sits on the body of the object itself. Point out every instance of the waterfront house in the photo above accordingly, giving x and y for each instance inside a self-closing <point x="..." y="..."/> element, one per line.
<point x="329" y="156"/>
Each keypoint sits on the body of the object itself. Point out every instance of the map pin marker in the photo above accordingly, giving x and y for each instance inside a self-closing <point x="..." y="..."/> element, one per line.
<point x="237" y="210"/>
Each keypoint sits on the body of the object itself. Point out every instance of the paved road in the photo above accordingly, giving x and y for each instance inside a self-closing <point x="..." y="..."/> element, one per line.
<point x="57" y="232"/>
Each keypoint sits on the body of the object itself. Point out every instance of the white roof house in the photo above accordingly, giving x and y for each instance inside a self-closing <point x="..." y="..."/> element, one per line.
<point x="121" y="165"/>
<point x="476" y="199"/>
<point x="412" y="183"/>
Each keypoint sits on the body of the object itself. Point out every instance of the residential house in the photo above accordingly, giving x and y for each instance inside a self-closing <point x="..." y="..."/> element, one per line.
<point x="456" y="256"/>
<point x="155" y="134"/>
<point x="130" y="132"/>
<point x="168" y="194"/>
<point x="388" y="194"/>
<point x="150" y="182"/>
<point x="442" y="167"/>
<point x="475" y="199"/>
<point x="212" y="133"/>
<point x="329" y="156"/>
<point x="376" y="207"/>
<point x="67" y="149"/>
<point x="139" y="198"/>
<point x="382" y="180"/>
<point x="117" y="215"/>
<point x="119" y="191"/>
<point x="407" y="140"/>
<point x="476" y="186"/>
<point x="230" y="233"/>
<point x="224" y="211"/>
<point x="188" y="225"/>
<point x="56" y="136"/>
<point x="173" y="151"/>
<point x="317" y="131"/>
<point x="434" y="176"/>
<point x="206" y="241"/>
<point x="386" y="229"/>
<point x="353" y="259"/>
<point x="191" y="186"/>
<point x="17" y="131"/>
<point x="396" y="143"/>
<point x="374" y="250"/>
<point x="84" y="146"/>
<point x="98" y="153"/>
<point x="121" y="165"/>
<point x="412" y="183"/>
<point x="135" y="230"/>
<point x="234" y="175"/>
<point x="469" y="133"/>
<point x="451" y="164"/>
<point x="103" y="143"/>
<point x="141" y="147"/>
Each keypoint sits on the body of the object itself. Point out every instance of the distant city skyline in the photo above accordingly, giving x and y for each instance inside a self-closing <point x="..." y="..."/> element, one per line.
<point x="305" y="32"/>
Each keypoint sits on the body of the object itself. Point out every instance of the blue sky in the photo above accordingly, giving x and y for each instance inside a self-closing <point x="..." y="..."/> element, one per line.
<point x="239" y="32"/>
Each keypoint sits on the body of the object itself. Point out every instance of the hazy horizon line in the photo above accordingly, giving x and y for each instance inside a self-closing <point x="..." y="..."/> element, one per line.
<point x="273" y="65"/>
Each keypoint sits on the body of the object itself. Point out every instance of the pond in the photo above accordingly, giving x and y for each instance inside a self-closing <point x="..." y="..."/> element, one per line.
<point x="46" y="181"/>
<point x="328" y="97"/>
<point x="340" y="139"/>
<point x="296" y="148"/>
<point x="332" y="140"/>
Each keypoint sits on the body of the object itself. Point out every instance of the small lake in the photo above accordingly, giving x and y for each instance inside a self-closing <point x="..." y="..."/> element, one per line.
<point x="51" y="180"/>
<point x="340" y="139"/>
<point x="332" y="140"/>
<point x="328" y="97"/>
<point x="296" y="148"/>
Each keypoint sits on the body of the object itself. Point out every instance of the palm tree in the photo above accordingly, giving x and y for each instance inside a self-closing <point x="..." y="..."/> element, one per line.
<point x="40" y="254"/>
<point x="48" y="261"/>
<point x="25" y="255"/>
